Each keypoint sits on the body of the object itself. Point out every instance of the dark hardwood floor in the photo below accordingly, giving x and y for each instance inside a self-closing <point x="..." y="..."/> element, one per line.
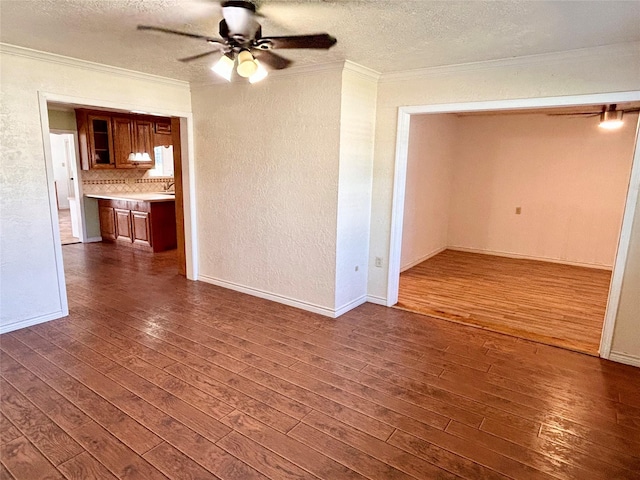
<point x="560" y="305"/>
<point x="153" y="376"/>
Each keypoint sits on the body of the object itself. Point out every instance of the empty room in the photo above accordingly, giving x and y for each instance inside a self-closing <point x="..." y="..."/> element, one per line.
<point x="512" y="220"/>
<point x="215" y="301"/>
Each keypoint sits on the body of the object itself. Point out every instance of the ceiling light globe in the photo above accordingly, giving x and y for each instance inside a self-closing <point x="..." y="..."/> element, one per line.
<point x="611" y="119"/>
<point x="261" y="73"/>
<point x="246" y="65"/>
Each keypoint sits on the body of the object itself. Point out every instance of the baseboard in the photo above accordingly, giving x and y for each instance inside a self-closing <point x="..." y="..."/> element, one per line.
<point x="29" y="322"/>
<point x="292" y="302"/>
<point x="93" y="239"/>
<point x="377" y="300"/>
<point x="350" y="306"/>
<point x="422" y="259"/>
<point x="625" y="358"/>
<point x="529" y="257"/>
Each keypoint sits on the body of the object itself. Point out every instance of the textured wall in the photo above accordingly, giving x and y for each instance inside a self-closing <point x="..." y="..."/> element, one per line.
<point x="569" y="176"/>
<point x="267" y="184"/>
<point x="357" y="124"/>
<point x="428" y="189"/>
<point x="28" y="270"/>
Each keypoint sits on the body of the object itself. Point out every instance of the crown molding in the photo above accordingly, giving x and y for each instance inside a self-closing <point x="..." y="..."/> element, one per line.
<point x="631" y="49"/>
<point x="304" y="70"/>
<point x="87" y="65"/>
<point x="362" y="71"/>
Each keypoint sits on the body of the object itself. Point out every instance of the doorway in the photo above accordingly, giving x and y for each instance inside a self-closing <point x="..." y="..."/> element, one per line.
<point x="528" y="206"/>
<point x="184" y="166"/>
<point x="406" y="116"/>
<point x="63" y="157"/>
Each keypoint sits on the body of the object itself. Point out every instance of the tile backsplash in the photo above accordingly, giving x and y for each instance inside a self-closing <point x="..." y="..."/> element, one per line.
<point x="107" y="181"/>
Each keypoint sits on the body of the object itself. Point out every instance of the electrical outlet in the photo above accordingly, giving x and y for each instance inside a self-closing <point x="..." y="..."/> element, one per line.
<point x="378" y="262"/>
<point x="518" y="210"/>
<point x="357" y="268"/>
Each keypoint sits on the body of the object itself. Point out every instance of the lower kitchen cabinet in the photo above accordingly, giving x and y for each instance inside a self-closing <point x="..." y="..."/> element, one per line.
<point x="145" y="225"/>
<point x="123" y="224"/>
<point x="141" y="228"/>
<point x="107" y="222"/>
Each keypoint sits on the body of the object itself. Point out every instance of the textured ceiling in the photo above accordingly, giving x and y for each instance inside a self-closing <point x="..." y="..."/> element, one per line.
<point x="385" y="35"/>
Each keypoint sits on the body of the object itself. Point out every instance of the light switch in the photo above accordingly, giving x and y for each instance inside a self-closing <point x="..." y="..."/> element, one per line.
<point x="518" y="210"/>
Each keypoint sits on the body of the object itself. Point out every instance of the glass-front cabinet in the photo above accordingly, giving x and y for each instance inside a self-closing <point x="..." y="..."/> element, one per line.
<point x="100" y="142"/>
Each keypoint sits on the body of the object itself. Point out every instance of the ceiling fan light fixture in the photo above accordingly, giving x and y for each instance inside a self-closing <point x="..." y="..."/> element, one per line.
<point x="247" y="66"/>
<point x="224" y="67"/>
<point x="611" y="119"/>
<point x="260" y="74"/>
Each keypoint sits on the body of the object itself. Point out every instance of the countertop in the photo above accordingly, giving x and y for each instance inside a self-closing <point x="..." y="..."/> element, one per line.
<point x="135" y="197"/>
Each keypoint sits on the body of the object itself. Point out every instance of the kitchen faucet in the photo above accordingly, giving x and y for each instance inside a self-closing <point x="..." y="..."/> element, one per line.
<point x="168" y="185"/>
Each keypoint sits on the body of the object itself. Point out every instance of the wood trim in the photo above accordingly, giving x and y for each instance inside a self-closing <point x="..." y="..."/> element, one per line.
<point x="177" y="176"/>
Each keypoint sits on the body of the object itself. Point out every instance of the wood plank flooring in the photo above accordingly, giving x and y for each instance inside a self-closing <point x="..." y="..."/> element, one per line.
<point x="66" y="232"/>
<point x="152" y="376"/>
<point x="559" y="305"/>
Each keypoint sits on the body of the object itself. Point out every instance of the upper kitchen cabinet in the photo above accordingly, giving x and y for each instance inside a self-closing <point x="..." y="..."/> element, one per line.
<point x="96" y="139"/>
<point x="133" y="142"/>
<point x="119" y="140"/>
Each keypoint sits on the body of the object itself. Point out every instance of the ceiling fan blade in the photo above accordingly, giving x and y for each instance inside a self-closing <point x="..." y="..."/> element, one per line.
<point x="184" y="34"/>
<point x="319" y="40"/>
<point x="272" y="60"/>
<point x="196" y="57"/>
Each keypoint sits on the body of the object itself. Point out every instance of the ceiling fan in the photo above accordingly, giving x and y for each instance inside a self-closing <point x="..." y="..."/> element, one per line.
<point x="610" y="115"/>
<point x="242" y="40"/>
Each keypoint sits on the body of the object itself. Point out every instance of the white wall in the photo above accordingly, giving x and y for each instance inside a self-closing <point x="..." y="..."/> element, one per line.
<point x="60" y="170"/>
<point x="626" y="336"/>
<point x="432" y="140"/>
<point x="569" y="177"/>
<point x="357" y="124"/>
<point x="267" y="172"/>
<point x="607" y="69"/>
<point x="28" y="273"/>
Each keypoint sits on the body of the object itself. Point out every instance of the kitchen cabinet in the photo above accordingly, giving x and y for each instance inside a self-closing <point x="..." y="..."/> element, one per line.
<point x="144" y="225"/>
<point x="123" y="224"/>
<point x="113" y="140"/>
<point x="107" y="222"/>
<point x="133" y="135"/>
<point x="96" y="140"/>
<point x="141" y="228"/>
